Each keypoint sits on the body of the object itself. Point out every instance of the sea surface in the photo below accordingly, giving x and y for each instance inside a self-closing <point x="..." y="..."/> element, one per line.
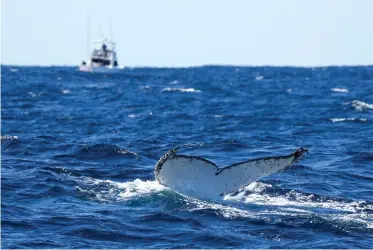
<point x="78" y="152"/>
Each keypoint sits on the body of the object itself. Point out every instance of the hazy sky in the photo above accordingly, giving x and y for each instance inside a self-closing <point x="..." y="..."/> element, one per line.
<point x="190" y="32"/>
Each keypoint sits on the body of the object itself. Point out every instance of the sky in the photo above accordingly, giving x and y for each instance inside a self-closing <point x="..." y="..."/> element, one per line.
<point x="179" y="33"/>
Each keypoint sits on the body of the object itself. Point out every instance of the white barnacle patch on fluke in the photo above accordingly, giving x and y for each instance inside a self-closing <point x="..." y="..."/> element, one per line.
<point x="197" y="177"/>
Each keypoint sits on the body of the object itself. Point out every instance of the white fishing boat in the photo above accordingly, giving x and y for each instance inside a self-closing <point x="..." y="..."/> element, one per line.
<point x="103" y="58"/>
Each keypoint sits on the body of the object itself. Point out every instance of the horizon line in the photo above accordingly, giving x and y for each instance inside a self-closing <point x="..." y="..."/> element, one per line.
<point x="197" y="65"/>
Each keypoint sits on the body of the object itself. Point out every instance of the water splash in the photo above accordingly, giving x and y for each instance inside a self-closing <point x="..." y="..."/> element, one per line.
<point x="111" y="191"/>
<point x="139" y="188"/>
<point x="260" y="194"/>
<point x="361" y="106"/>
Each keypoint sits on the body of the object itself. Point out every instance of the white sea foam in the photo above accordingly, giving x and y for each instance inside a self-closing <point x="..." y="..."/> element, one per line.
<point x="224" y="210"/>
<point x="33" y="94"/>
<point x="334" y="120"/>
<point x="106" y="190"/>
<point x="174" y="82"/>
<point x="9" y="137"/>
<point x="66" y="91"/>
<point x="258" y="78"/>
<point x="13" y="70"/>
<point x="146" y="87"/>
<point x="292" y="204"/>
<point x="231" y="212"/>
<point x="253" y="194"/>
<point x="139" y="187"/>
<point x="191" y="90"/>
<point x="133" y="116"/>
<point x="360" y="106"/>
<point x="339" y="90"/>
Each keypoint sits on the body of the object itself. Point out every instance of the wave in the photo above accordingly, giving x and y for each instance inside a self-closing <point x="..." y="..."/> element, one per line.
<point x="255" y="194"/>
<point x="334" y="120"/>
<point x="133" y="116"/>
<point x="361" y="106"/>
<point x="146" y="87"/>
<point x="102" y="150"/>
<point x="313" y="209"/>
<point x="9" y="141"/>
<point x="190" y="90"/>
<point x="260" y="195"/>
<point x="258" y="201"/>
<point x="284" y="215"/>
<point x="258" y="78"/>
<point x="340" y="90"/>
<point x="98" y="151"/>
<point x="9" y="138"/>
<point x="108" y="191"/>
<point x="33" y="94"/>
<point x="139" y="187"/>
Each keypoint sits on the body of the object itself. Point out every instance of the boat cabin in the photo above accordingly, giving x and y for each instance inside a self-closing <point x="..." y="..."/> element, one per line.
<point x="103" y="54"/>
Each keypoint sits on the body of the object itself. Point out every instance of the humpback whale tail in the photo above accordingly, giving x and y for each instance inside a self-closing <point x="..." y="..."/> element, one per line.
<point x="198" y="177"/>
<point x="299" y="153"/>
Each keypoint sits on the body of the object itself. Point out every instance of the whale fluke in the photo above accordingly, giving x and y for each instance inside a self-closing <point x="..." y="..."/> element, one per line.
<point x="197" y="177"/>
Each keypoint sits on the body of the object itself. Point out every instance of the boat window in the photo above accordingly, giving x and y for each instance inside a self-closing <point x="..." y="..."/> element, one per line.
<point x="102" y="62"/>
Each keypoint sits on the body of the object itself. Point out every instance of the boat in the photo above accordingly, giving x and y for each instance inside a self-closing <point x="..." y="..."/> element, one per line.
<point x="103" y="58"/>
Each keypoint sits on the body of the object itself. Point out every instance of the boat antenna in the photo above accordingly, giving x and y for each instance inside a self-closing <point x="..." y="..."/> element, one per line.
<point x="111" y="30"/>
<point x="88" y="34"/>
<point x="101" y="33"/>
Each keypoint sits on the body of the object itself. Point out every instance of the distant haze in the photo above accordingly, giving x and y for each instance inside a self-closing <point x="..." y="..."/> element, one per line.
<point x="190" y="32"/>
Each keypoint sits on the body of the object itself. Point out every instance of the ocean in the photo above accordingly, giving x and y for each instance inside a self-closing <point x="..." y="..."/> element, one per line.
<point x="78" y="152"/>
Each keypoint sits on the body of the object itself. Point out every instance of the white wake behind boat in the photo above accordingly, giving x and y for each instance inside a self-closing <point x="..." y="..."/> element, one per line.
<point x="103" y="58"/>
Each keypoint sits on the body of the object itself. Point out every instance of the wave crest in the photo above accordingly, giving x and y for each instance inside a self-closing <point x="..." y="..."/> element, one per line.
<point x="9" y="138"/>
<point x="312" y="208"/>
<point x="189" y="90"/>
<point x="107" y="191"/>
<point x="361" y="106"/>
<point x="334" y="120"/>
<point x="256" y="193"/>
<point x="340" y="90"/>
<point x="103" y="150"/>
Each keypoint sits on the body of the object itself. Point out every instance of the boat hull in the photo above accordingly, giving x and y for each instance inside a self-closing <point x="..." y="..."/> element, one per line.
<point x="91" y="69"/>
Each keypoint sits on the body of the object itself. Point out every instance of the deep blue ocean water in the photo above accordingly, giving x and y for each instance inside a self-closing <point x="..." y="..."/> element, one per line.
<point x="78" y="152"/>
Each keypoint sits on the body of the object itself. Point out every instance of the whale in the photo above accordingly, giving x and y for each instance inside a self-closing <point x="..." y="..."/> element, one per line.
<point x="197" y="177"/>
